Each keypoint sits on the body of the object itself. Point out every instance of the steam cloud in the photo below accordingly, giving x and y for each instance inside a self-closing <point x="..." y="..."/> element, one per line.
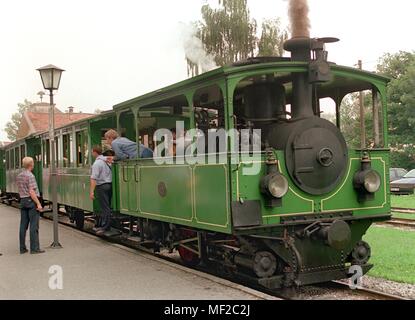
<point x="195" y="50"/>
<point x="300" y="22"/>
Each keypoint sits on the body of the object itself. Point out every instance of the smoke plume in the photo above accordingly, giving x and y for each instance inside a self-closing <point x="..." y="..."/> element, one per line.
<point x="194" y="49"/>
<point x="300" y="23"/>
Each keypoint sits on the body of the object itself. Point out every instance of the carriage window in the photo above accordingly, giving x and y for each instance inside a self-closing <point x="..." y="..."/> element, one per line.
<point x="46" y="153"/>
<point x="127" y="129"/>
<point x="57" y="155"/>
<point x="7" y="160"/>
<point x="210" y="117"/>
<point x="66" y="141"/>
<point x="327" y="109"/>
<point x="17" y="157"/>
<point x="351" y="125"/>
<point x="22" y="151"/>
<point x="12" y="159"/>
<point x="103" y="141"/>
<point x="172" y="114"/>
<point x="82" y="152"/>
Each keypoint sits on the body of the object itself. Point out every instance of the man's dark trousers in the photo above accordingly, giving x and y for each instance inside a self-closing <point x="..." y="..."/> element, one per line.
<point x="104" y="194"/>
<point x="29" y="217"/>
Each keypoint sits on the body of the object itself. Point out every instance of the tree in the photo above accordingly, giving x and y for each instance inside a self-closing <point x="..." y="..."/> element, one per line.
<point x="12" y="127"/>
<point x="350" y="120"/>
<point x="228" y="34"/>
<point x="272" y="38"/>
<point x="395" y="65"/>
<point x="401" y="106"/>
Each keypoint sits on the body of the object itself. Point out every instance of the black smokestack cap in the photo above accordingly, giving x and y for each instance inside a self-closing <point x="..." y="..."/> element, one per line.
<point x="300" y="48"/>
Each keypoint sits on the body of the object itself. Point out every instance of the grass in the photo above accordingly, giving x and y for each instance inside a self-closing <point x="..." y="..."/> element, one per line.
<point x="393" y="254"/>
<point x="407" y="202"/>
<point x="404" y="216"/>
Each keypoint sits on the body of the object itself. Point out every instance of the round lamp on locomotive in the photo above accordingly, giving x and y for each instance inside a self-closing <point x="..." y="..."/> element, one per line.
<point x="366" y="181"/>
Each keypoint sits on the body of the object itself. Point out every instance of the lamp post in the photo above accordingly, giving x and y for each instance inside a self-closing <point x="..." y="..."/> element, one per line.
<point x="51" y="78"/>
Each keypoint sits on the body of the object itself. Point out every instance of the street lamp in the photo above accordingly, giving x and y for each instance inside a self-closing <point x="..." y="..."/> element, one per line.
<point x="51" y="78"/>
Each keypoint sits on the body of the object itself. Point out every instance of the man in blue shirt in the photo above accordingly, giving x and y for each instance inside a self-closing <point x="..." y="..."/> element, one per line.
<point x="124" y="148"/>
<point x="101" y="182"/>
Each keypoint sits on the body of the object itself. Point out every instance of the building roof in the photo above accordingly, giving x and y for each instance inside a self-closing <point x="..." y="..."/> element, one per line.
<point x="4" y="143"/>
<point x="36" y="119"/>
<point x="40" y="121"/>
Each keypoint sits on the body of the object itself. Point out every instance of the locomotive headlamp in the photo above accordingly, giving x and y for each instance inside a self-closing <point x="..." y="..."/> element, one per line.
<point x="372" y="181"/>
<point x="367" y="181"/>
<point x="275" y="185"/>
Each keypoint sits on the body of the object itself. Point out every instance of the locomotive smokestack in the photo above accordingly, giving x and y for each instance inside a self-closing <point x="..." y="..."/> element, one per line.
<point x="310" y="51"/>
<point x="301" y="102"/>
<point x="300" y="47"/>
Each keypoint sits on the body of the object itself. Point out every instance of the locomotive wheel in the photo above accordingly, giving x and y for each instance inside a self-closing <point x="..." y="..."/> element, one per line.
<point x="188" y="257"/>
<point x="361" y="254"/>
<point x="265" y="264"/>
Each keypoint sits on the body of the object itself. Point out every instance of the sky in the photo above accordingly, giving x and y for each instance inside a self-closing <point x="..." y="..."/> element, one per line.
<point x="116" y="50"/>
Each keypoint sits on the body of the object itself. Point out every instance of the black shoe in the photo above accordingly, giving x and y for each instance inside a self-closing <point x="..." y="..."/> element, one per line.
<point x="37" y="252"/>
<point x="24" y="251"/>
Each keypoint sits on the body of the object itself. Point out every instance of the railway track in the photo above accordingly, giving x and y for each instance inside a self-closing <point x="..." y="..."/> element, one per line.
<point x="135" y="244"/>
<point x="367" y="293"/>
<point x="400" y="222"/>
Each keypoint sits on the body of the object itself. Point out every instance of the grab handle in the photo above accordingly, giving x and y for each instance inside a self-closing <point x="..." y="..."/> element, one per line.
<point x="123" y="174"/>
<point x="137" y="173"/>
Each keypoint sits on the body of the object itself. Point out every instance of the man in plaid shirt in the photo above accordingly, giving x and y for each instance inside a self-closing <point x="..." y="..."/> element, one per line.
<point x="30" y="207"/>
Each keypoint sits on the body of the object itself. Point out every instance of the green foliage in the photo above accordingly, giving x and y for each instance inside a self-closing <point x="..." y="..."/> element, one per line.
<point x="404" y="216"/>
<point x="401" y="102"/>
<point x="229" y="34"/>
<point x="12" y="127"/>
<point x="350" y="120"/>
<point x="272" y="39"/>
<point x="403" y="158"/>
<point x="395" y="65"/>
<point x="391" y="256"/>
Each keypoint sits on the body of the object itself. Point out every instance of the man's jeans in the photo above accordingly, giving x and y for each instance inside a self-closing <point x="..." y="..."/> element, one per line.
<point x="29" y="217"/>
<point x="104" y="195"/>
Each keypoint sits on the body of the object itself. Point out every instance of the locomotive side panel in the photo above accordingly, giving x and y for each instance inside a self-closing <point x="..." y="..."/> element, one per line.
<point x="195" y="196"/>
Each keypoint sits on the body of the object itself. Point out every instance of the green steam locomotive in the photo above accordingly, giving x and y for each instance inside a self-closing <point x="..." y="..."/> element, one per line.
<point x="292" y="213"/>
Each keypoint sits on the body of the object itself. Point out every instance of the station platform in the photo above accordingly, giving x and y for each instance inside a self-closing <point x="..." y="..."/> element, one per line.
<point x="95" y="269"/>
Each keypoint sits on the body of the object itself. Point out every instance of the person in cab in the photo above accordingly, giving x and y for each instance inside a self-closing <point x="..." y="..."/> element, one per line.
<point x="124" y="148"/>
